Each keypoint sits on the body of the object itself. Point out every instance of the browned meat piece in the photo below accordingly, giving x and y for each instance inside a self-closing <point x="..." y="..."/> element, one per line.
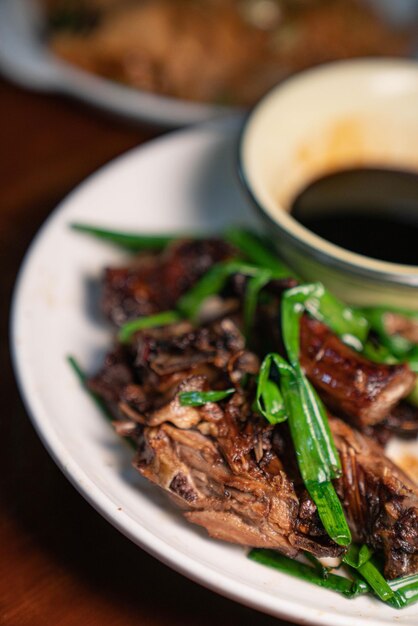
<point x="115" y="375"/>
<point x="381" y="502"/>
<point x="221" y="486"/>
<point x="164" y="357"/>
<point x="144" y="378"/>
<point x="165" y="353"/>
<point x="237" y="508"/>
<point x="349" y="384"/>
<point x="157" y="281"/>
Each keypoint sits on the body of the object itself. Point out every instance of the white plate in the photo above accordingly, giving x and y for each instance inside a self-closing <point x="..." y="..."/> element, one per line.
<point x="181" y="182"/>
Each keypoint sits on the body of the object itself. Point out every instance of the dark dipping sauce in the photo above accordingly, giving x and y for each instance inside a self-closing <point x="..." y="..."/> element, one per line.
<point x="373" y="212"/>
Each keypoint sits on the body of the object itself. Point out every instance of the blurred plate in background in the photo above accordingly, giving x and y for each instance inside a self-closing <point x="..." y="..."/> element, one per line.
<point x="26" y="58"/>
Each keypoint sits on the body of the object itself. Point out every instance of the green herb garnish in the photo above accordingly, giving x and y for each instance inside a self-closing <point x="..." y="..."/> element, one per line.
<point x="199" y="398"/>
<point x="340" y="584"/>
<point x="150" y="321"/>
<point x="130" y="241"/>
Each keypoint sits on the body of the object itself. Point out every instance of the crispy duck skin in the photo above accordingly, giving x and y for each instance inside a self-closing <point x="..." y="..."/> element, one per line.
<point x="158" y="280"/>
<point x="350" y="385"/>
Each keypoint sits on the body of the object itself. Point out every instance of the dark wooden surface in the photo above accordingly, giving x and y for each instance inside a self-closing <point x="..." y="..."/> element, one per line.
<point x="60" y="562"/>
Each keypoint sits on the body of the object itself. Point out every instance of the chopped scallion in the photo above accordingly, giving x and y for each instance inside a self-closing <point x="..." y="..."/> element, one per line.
<point x="258" y="251"/>
<point x="199" y="398"/>
<point x="334" y="582"/>
<point x="130" y="241"/>
<point x="360" y="559"/>
<point x="151" y="321"/>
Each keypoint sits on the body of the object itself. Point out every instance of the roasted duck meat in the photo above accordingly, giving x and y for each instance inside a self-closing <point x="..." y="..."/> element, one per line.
<point x="232" y="472"/>
<point x="213" y="473"/>
<point x="349" y="384"/>
<point x="157" y="280"/>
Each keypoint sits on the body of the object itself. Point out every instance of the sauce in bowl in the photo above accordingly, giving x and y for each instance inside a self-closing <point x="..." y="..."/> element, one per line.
<point x="373" y="212"/>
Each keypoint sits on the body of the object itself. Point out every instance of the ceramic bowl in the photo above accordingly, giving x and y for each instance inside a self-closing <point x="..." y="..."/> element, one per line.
<point x="344" y="115"/>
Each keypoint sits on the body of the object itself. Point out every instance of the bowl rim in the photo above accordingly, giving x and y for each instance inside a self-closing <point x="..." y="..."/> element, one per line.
<point x="303" y="239"/>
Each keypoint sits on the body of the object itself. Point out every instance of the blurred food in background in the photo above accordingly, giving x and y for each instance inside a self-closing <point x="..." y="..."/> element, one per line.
<point x="217" y="51"/>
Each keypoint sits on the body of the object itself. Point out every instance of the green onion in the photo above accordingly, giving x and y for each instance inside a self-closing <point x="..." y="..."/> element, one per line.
<point x="258" y="251"/>
<point x="129" y="241"/>
<point x="346" y="587"/>
<point x="151" y="321"/>
<point x="406" y="591"/>
<point x="254" y="286"/>
<point x="360" y="559"/>
<point x="291" y="314"/>
<point x="316" y="423"/>
<point x="398" y="348"/>
<point x="83" y="378"/>
<point x="318" y="457"/>
<point x="412" y="359"/>
<point x="350" y="324"/>
<point x="413" y="396"/>
<point x="330" y="511"/>
<point x="316" y="453"/>
<point x="213" y="282"/>
<point x="269" y="400"/>
<point x="210" y="284"/>
<point x="398" y="593"/>
<point x="378" y="353"/>
<point x="198" y="398"/>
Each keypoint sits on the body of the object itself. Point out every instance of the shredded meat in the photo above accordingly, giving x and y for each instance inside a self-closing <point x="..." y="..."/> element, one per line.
<point x="228" y="479"/>
<point x="381" y="502"/>
<point x="245" y="508"/>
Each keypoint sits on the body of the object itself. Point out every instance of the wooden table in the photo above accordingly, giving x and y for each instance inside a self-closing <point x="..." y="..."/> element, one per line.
<point x="60" y="562"/>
